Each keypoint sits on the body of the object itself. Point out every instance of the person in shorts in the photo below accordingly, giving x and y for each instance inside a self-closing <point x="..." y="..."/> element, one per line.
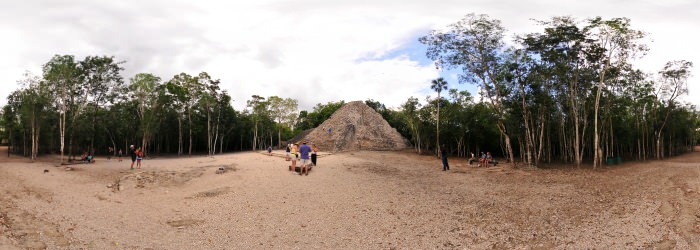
<point x="293" y="155"/>
<point x="139" y="157"/>
<point x="304" y="151"/>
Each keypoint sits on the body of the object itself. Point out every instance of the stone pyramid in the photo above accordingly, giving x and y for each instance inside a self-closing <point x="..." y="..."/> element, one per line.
<point x="356" y="126"/>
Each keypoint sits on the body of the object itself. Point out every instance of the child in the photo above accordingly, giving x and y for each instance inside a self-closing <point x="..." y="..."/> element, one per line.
<point x="139" y="157"/>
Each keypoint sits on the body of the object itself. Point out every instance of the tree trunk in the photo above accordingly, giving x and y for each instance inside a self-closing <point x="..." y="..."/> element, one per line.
<point x="189" y="118"/>
<point x="437" y="126"/>
<point x="179" y="128"/>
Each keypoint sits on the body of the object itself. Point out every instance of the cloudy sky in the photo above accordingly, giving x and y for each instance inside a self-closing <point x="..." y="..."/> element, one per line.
<point x="312" y="50"/>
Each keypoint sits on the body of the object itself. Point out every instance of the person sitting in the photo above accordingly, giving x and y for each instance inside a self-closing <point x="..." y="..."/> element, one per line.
<point x="471" y="159"/>
<point x="86" y="157"/>
<point x="489" y="159"/>
<point x="83" y="157"/>
<point x="482" y="159"/>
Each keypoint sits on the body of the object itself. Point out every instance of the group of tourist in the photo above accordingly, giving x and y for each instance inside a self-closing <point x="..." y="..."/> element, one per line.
<point x="136" y="156"/>
<point x="305" y="154"/>
<point x="135" y="152"/>
<point x="485" y="159"/>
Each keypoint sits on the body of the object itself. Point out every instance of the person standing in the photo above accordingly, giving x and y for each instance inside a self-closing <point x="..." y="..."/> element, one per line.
<point x="314" y="149"/>
<point x="269" y="151"/>
<point x="304" y="151"/>
<point x="293" y="157"/>
<point x="120" y="155"/>
<point x="139" y="157"/>
<point x="132" y="152"/>
<point x="445" y="166"/>
<point x="287" y="153"/>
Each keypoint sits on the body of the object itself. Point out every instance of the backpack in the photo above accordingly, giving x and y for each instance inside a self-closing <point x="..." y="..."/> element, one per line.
<point x="140" y="153"/>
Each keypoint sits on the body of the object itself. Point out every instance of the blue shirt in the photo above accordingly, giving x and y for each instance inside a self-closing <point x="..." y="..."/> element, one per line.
<point x="304" y="150"/>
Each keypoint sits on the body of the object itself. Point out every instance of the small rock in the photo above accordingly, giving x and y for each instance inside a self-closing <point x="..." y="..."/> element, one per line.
<point x="109" y="185"/>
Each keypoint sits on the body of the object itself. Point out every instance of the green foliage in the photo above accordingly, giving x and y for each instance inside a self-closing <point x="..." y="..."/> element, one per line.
<point x="320" y="113"/>
<point x="537" y="96"/>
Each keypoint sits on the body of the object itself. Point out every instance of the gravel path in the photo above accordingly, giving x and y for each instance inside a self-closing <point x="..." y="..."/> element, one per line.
<point x="353" y="200"/>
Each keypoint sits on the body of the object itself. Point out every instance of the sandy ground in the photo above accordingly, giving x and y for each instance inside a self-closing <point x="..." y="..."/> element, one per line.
<point x="360" y="200"/>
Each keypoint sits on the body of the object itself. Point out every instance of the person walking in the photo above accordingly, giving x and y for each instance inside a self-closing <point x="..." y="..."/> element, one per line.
<point x="120" y="155"/>
<point x="304" y="151"/>
<point x="132" y="152"/>
<point x="269" y="151"/>
<point x="445" y="166"/>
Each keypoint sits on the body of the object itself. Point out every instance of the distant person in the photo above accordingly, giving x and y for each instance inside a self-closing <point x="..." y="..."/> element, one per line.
<point x="84" y="156"/>
<point x="304" y="151"/>
<point x="120" y="154"/>
<point x="132" y="152"/>
<point x="482" y="159"/>
<point x="489" y="159"/>
<point x="89" y="157"/>
<point x="314" y="150"/>
<point x="269" y="151"/>
<point x="445" y="166"/>
<point x="286" y="158"/>
<point x="293" y="157"/>
<point x="139" y="157"/>
<point x="110" y="152"/>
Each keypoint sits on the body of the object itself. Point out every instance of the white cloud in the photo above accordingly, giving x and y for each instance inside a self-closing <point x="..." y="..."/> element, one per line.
<point x="311" y="50"/>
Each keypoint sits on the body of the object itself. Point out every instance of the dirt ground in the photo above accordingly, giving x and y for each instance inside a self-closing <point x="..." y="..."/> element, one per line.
<point x="354" y="200"/>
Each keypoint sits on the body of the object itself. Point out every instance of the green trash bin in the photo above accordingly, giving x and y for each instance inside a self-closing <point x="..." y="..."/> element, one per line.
<point x="610" y="161"/>
<point x="618" y="160"/>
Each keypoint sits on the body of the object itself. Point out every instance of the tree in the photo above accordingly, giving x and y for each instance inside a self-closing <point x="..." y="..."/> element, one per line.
<point x="61" y="73"/>
<point x="410" y="115"/>
<point x="474" y="45"/>
<point x="563" y="62"/>
<point x="614" y="44"/>
<point x="258" y="106"/>
<point x="101" y="80"/>
<point x="674" y="83"/>
<point x="34" y="101"/>
<point x="438" y="85"/>
<point x="210" y="102"/>
<point x="284" y="111"/>
<point x="320" y="113"/>
<point x="178" y="97"/>
<point x="144" y="88"/>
